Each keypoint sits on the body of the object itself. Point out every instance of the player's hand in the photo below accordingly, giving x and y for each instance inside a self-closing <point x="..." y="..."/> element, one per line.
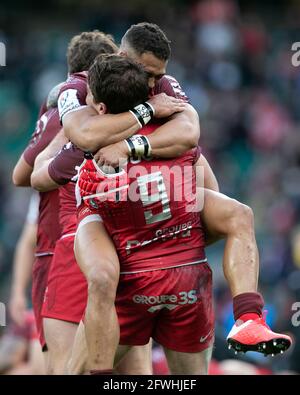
<point x="165" y="106"/>
<point x="17" y="308"/>
<point x="114" y="155"/>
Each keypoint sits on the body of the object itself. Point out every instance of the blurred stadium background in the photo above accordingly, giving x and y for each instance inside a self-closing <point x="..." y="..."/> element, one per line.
<point x="233" y="59"/>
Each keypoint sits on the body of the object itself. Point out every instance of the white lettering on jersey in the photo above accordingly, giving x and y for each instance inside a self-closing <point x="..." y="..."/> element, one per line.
<point x="68" y="102"/>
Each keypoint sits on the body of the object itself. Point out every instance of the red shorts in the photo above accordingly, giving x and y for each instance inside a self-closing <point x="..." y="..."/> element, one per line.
<point x="40" y="271"/>
<point x="173" y="306"/>
<point x="66" y="294"/>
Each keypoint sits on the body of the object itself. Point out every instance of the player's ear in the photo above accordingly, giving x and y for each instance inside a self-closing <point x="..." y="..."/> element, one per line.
<point x="102" y="108"/>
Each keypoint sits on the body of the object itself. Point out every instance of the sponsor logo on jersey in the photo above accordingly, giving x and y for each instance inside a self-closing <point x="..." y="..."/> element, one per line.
<point x="68" y="102"/>
<point x="169" y="302"/>
<point x="182" y="230"/>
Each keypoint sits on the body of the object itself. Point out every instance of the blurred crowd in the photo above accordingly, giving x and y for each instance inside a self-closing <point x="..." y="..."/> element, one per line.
<point x="233" y="59"/>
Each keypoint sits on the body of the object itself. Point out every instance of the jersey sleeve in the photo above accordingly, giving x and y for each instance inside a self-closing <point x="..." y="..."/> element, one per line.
<point x="43" y="109"/>
<point x="72" y="96"/>
<point x="171" y="87"/>
<point x="47" y="127"/>
<point x="65" y="165"/>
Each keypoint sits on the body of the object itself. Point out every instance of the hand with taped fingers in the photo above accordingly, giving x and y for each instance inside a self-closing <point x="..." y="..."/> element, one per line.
<point x="114" y="155"/>
<point x="165" y="106"/>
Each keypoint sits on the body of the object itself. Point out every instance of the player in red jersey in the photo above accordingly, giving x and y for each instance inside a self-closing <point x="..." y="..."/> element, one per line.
<point x="65" y="298"/>
<point x="177" y="364"/>
<point x="233" y="220"/>
<point x="222" y="216"/>
<point x="54" y="174"/>
<point x="66" y="163"/>
<point x="138" y="227"/>
<point x="165" y="289"/>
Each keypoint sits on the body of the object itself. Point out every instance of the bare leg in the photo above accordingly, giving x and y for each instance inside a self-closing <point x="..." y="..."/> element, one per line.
<point x="138" y="360"/>
<point x="78" y="362"/>
<point x="98" y="260"/>
<point x="129" y="360"/>
<point x="188" y="363"/>
<point x="36" y="358"/>
<point x="225" y="217"/>
<point x="59" y="337"/>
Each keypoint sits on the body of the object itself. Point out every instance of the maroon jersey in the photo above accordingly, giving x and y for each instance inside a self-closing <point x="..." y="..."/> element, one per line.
<point x="46" y="129"/>
<point x="62" y="170"/>
<point x="48" y="232"/>
<point x="157" y="226"/>
<point x="72" y="94"/>
<point x="171" y="87"/>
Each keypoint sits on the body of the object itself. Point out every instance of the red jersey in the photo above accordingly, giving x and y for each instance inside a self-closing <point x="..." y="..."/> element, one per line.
<point x="48" y="232"/>
<point x="65" y="165"/>
<point x="157" y="226"/>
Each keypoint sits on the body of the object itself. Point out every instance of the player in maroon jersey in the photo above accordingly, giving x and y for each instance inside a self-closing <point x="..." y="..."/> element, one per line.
<point x="48" y="230"/>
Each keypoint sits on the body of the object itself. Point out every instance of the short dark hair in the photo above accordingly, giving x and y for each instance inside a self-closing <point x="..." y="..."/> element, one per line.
<point x="148" y="37"/>
<point x="119" y="82"/>
<point x="83" y="49"/>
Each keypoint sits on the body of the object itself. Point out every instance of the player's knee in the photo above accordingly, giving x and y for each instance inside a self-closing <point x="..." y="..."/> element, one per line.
<point x="102" y="282"/>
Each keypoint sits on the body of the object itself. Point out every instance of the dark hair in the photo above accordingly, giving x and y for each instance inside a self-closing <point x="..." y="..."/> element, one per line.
<point x="148" y="37"/>
<point x="119" y="82"/>
<point x="83" y="49"/>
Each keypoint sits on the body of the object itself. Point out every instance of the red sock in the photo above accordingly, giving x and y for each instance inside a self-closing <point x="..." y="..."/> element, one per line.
<point x="101" y="372"/>
<point x="248" y="304"/>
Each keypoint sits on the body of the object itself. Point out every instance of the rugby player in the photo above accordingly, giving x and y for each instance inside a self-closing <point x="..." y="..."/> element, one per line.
<point x="61" y="325"/>
<point x="48" y="229"/>
<point x="227" y="217"/>
<point x="147" y="44"/>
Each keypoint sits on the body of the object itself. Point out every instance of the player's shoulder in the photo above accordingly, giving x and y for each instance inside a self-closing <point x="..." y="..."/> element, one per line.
<point x="77" y="77"/>
<point x="72" y="93"/>
<point x="74" y="81"/>
<point x="169" y="85"/>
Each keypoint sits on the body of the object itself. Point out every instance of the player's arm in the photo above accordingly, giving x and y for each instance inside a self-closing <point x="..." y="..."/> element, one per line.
<point x="22" y="269"/>
<point x="180" y="134"/>
<point x="21" y="173"/>
<point x="41" y="180"/>
<point x="39" y="140"/>
<point x="90" y="131"/>
<point x="205" y="175"/>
